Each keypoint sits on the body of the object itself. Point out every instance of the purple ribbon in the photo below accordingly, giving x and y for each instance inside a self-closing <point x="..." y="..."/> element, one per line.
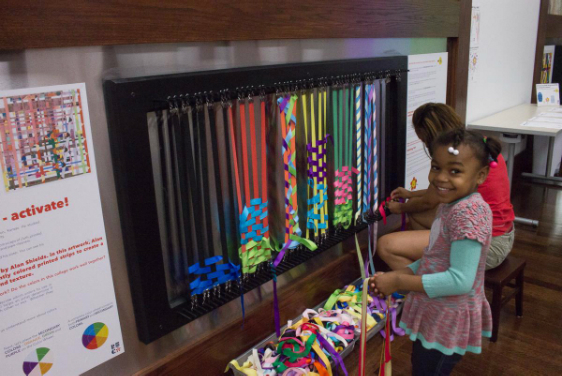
<point x="284" y="102"/>
<point x="337" y="358"/>
<point x="395" y="329"/>
<point x="279" y="257"/>
<point x="276" y="308"/>
<point x="399" y="331"/>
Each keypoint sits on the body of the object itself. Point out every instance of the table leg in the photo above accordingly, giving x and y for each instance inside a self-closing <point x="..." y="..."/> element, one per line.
<point x="509" y="163"/>
<point x="526" y="221"/>
<point x="510" y="158"/>
<point x="549" y="157"/>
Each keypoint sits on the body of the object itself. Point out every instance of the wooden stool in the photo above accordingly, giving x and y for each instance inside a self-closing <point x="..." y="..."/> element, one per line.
<point x="496" y="279"/>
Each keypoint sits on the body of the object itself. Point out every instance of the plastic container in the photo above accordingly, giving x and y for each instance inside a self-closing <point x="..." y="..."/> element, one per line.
<point x="273" y="338"/>
<point x="370" y="334"/>
<point x="242" y="358"/>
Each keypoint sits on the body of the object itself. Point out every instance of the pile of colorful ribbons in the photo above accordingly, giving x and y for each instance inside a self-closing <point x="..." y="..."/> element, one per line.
<point x="313" y="344"/>
<point x="349" y="299"/>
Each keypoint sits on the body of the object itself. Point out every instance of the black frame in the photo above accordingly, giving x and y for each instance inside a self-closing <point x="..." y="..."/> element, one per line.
<point x="128" y="100"/>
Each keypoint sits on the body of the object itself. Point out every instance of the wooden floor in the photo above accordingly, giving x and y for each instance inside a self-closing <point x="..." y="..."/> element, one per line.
<point x="531" y="345"/>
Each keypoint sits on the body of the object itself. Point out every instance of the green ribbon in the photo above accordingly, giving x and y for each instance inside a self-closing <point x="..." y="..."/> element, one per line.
<point x="332" y="300"/>
<point x="360" y="257"/>
<point x="343" y="214"/>
<point x="295" y="355"/>
<point x="255" y="255"/>
<point x="306" y="242"/>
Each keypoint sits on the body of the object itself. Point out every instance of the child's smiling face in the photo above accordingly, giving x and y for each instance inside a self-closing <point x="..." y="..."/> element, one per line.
<point x="455" y="176"/>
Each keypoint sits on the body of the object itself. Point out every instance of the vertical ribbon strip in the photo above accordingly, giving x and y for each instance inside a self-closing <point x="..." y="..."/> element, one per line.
<point x="253" y="224"/>
<point x="293" y="233"/>
<point x="343" y="182"/>
<point x="358" y="145"/>
<point x="317" y="217"/>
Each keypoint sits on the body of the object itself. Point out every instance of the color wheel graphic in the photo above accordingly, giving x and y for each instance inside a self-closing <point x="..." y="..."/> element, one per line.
<point x="95" y="335"/>
<point x="39" y="362"/>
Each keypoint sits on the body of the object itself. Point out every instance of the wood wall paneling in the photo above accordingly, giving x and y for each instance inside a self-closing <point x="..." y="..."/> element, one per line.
<point x="541" y="36"/>
<point x="459" y="52"/>
<point x="65" y="23"/>
<point x="452" y="61"/>
<point x="553" y="26"/>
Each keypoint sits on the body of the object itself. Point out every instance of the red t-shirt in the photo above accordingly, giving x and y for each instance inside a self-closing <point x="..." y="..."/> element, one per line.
<point x="495" y="191"/>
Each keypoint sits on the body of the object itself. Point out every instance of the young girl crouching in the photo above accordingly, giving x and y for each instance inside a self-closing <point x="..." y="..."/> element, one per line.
<point x="447" y="314"/>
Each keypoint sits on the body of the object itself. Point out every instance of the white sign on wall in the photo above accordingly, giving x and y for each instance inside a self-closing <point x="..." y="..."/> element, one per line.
<point x="427" y="82"/>
<point x="58" y="313"/>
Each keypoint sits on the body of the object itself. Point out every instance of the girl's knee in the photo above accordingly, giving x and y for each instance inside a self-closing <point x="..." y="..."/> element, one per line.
<point x="384" y="246"/>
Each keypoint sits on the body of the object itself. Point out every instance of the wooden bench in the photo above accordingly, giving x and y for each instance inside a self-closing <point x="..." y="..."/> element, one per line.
<point x="512" y="268"/>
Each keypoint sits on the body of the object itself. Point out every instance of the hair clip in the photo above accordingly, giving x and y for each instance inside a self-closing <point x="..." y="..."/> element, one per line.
<point x="485" y="139"/>
<point x="493" y="163"/>
<point x="453" y="151"/>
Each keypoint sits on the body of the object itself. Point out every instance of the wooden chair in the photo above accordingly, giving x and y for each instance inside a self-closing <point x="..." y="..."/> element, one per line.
<point x="512" y="268"/>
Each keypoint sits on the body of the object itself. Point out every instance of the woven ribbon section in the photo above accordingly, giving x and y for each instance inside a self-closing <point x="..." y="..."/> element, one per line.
<point x="254" y="231"/>
<point x="212" y="274"/>
<point x="343" y="212"/>
<point x="316" y="174"/>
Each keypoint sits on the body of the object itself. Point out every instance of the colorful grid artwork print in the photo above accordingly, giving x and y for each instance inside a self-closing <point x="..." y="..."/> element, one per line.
<point x="42" y="138"/>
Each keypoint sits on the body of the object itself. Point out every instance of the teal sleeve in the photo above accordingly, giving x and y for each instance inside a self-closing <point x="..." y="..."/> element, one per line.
<point x="414" y="266"/>
<point x="459" y="278"/>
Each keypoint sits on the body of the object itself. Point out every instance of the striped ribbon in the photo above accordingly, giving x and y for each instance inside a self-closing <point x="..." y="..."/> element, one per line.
<point x="373" y="228"/>
<point x="371" y="150"/>
<point x="358" y="144"/>
<point x="368" y="149"/>
<point x="373" y="99"/>
<point x="287" y="110"/>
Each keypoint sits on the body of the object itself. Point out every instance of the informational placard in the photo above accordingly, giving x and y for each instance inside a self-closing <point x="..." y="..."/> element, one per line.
<point x="548" y="95"/>
<point x="58" y="313"/>
<point x="427" y="82"/>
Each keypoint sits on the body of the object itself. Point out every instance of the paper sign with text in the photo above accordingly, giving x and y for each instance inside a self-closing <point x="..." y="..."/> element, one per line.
<point x="427" y="82"/>
<point x="58" y="313"/>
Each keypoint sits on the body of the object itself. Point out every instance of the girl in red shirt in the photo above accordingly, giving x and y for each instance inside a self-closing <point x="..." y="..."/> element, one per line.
<point x="400" y="249"/>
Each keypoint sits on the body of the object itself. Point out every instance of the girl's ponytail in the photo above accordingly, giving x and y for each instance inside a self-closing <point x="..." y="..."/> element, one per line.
<point x="493" y="146"/>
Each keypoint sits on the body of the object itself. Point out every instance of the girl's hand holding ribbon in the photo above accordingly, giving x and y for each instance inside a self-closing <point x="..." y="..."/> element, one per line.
<point x="394" y="207"/>
<point x="384" y="284"/>
<point x="399" y="193"/>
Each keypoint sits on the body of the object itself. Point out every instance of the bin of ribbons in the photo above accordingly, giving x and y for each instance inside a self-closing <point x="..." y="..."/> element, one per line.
<point x="316" y="342"/>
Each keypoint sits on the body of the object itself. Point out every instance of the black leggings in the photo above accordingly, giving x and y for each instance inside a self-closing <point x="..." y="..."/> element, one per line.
<point x="432" y="362"/>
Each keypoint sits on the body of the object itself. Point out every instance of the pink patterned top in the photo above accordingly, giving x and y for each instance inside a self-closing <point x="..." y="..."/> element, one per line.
<point x="452" y="324"/>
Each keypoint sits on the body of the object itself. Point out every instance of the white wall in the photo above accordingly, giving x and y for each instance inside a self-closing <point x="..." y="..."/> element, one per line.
<point x="508" y="35"/>
<point x="32" y="68"/>
<point x="506" y="59"/>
